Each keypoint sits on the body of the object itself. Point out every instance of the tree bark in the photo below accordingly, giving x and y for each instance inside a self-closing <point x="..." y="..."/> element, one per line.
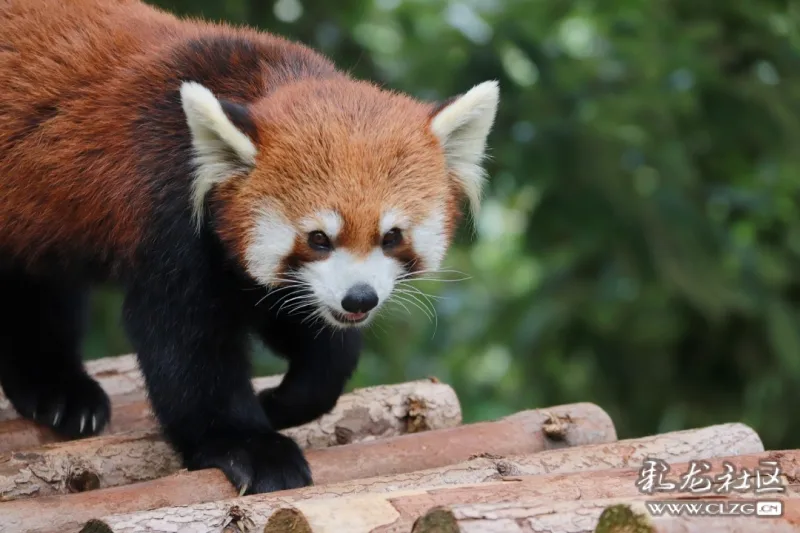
<point x="200" y="492"/>
<point x="20" y="434"/>
<point x="394" y="503"/>
<point x="110" y="461"/>
<point x="614" y="515"/>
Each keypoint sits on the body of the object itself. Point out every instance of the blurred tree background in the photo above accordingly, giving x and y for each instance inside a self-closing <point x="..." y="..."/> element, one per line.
<point x="640" y="243"/>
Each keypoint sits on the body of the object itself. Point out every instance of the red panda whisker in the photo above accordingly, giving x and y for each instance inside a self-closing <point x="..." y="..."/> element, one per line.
<point x="420" y="275"/>
<point x="282" y="300"/>
<point x="378" y="325"/>
<point x="417" y="290"/>
<point x="303" y="301"/>
<point x="270" y="293"/>
<point x="429" y="312"/>
<point x="395" y="311"/>
<point x="438" y="280"/>
<point x="428" y="304"/>
<point x="313" y="318"/>
<point x="399" y="302"/>
<point x="420" y="297"/>
<point x="416" y="293"/>
<point x="440" y="270"/>
<point x="417" y="304"/>
<point x="320" y="329"/>
<point x="287" y="281"/>
<point x="261" y="299"/>
<point x="285" y="288"/>
<point x="297" y="303"/>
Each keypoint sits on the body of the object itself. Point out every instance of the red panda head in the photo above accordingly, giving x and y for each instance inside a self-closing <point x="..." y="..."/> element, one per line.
<point x="338" y="187"/>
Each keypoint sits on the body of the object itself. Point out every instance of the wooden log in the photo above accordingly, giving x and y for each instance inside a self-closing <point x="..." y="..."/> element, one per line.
<point x="110" y="461"/>
<point x="674" y="447"/>
<point x="529" y="431"/>
<point x="520" y="433"/>
<point x="20" y="434"/>
<point x="393" y="504"/>
<point x="713" y="441"/>
<point x="613" y="515"/>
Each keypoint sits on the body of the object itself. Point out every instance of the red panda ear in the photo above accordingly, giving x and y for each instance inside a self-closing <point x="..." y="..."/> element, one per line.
<point x="240" y="117"/>
<point x="462" y="125"/>
<point x="223" y="140"/>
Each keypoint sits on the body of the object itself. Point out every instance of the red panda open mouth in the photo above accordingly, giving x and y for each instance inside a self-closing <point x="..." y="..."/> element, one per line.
<point x="349" y="318"/>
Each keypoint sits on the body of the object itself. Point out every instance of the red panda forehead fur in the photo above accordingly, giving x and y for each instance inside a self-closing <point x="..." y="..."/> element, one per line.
<point x="346" y="147"/>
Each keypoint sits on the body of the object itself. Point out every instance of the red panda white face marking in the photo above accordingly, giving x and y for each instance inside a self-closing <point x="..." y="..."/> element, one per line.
<point x="393" y="218"/>
<point x="349" y="188"/>
<point x="430" y="239"/>
<point x="271" y="239"/>
<point x="327" y="221"/>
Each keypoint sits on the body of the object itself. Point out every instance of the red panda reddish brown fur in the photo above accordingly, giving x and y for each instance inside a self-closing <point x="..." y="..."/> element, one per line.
<point x="219" y="175"/>
<point x="67" y="92"/>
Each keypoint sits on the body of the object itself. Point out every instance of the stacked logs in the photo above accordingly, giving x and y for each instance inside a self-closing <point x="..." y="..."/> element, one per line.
<point x="388" y="458"/>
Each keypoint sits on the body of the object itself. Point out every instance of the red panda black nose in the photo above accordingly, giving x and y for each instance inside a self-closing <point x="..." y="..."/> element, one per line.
<point x="360" y="298"/>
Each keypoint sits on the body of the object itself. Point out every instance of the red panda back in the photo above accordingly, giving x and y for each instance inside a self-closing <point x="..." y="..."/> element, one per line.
<point x="76" y="77"/>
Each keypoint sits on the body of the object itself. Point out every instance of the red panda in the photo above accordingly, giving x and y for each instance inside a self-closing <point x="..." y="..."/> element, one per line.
<point x="231" y="182"/>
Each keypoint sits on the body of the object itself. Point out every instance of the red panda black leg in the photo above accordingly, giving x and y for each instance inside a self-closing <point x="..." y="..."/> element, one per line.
<point x="41" y="371"/>
<point x="321" y="361"/>
<point x="189" y="329"/>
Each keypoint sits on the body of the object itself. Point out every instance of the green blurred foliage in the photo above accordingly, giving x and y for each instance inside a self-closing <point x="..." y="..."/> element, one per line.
<point x="640" y="244"/>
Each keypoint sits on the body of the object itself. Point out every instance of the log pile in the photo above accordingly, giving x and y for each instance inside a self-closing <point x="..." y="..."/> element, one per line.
<point x="398" y="458"/>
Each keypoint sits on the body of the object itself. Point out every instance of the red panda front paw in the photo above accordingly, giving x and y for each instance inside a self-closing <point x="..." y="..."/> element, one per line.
<point x="74" y="407"/>
<point x="292" y="410"/>
<point x="264" y="462"/>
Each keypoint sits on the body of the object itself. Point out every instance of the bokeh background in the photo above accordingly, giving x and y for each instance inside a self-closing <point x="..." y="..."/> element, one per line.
<point x="640" y="242"/>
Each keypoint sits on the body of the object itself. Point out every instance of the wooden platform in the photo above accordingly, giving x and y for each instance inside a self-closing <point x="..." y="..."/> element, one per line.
<point x="398" y="458"/>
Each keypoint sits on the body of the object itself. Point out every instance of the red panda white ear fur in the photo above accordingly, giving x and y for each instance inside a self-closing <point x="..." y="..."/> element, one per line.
<point x="221" y="150"/>
<point x="462" y="127"/>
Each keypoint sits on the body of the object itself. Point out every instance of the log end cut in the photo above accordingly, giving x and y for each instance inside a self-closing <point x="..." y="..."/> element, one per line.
<point x="622" y="519"/>
<point x="436" y="520"/>
<point x="287" y="520"/>
<point x="96" y="526"/>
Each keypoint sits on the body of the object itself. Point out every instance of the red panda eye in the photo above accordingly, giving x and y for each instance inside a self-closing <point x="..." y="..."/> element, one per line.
<point x="319" y="241"/>
<point x="393" y="237"/>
